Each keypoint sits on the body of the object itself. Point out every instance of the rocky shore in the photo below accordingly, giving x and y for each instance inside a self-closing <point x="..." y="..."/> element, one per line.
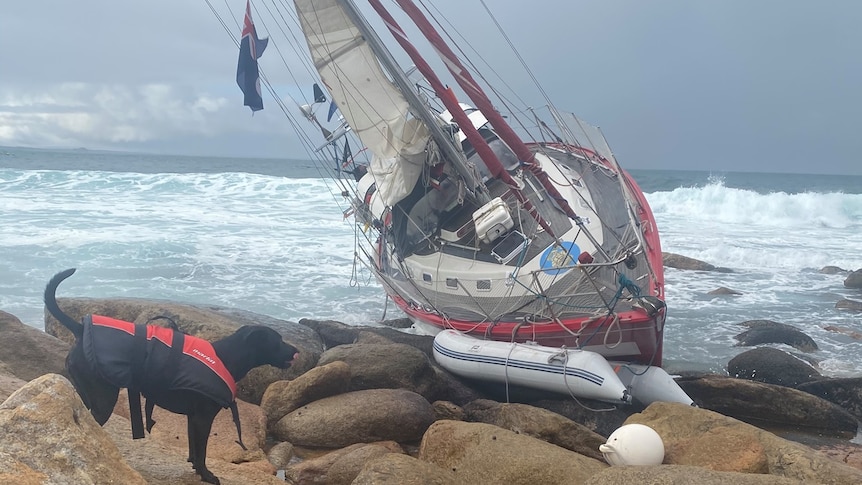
<point x="368" y="405"/>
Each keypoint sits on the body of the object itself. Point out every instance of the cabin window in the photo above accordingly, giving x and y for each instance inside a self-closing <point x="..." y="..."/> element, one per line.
<point x="484" y="285"/>
<point x="452" y="282"/>
<point x="426" y="277"/>
<point x="501" y="150"/>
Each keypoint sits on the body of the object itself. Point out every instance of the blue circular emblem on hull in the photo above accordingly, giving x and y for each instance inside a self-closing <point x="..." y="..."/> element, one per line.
<point x="559" y="258"/>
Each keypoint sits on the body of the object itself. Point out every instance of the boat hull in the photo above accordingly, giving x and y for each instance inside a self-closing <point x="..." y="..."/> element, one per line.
<point x="583" y="286"/>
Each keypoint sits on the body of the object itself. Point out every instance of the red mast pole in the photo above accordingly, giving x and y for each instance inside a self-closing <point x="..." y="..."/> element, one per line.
<point x="448" y="98"/>
<point x="478" y="96"/>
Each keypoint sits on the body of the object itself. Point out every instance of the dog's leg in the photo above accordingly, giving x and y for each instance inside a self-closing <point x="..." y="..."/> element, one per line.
<point x="200" y="425"/>
<point x="148" y="413"/>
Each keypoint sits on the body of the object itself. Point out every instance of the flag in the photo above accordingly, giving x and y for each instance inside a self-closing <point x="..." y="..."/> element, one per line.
<point x="332" y="109"/>
<point x="247" y="74"/>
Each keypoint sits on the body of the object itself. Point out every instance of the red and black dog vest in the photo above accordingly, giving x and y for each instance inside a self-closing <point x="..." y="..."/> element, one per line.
<point x="153" y="359"/>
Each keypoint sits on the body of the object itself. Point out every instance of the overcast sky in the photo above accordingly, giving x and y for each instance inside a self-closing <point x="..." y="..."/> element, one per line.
<point x="768" y="85"/>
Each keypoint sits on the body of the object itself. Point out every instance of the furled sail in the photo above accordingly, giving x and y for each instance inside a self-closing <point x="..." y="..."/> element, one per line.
<point x="373" y="106"/>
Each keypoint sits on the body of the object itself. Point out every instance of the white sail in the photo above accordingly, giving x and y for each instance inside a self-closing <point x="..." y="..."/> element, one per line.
<point x="373" y="106"/>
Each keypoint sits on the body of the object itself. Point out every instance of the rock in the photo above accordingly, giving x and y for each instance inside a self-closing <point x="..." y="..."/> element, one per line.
<point x="357" y="417"/>
<point x="845" y="392"/>
<point x="722" y="290"/>
<point x="335" y="333"/>
<point x="479" y="453"/>
<point x="282" y="397"/>
<point x="770" y="406"/>
<point x="847" y="452"/>
<point x="851" y="305"/>
<point x="768" y="332"/>
<point x="396" y="469"/>
<point x="386" y="366"/>
<point x="339" y="467"/>
<point x="854" y="279"/>
<point x="538" y="423"/>
<point x="50" y="437"/>
<point x="846" y="331"/>
<point x="171" y="429"/>
<point x="772" y="366"/>
<point x="597" y="416"/>
<point x="677" y="261"/>
<point x="682" y="475"/>
<point x="162" y="464"/>
<point x="832" y="270"/>
<point x="447" y="410"/>
<point x="397" y="323"/>
<point x="28" y="352"/>
<point x="280" y="455"/>
<point x="207" y="322"/>
<point x="699" y="437"/>
<point x="9" y="384"/>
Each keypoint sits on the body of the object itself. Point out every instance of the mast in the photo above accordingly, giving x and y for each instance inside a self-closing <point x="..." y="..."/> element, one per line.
<point x="478" y="96"/>
<point x="418" y="107"/>
<point x="448" y="98"/>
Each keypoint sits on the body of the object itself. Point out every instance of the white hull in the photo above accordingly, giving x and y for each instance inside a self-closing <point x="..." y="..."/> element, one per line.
<point x="579" y="373"/>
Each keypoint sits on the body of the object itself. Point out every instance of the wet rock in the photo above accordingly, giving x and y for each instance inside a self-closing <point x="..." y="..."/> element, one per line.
<point x="844" y="330"/>
<point x="770" y="406"/>
<point x="677" y="261"/>
<point x="50" y="437"/>
<point x="538" y="423"/>
<point x="357" y="417"/>
<point x="847" y="304"/>
<point x="833" y="270"/>
<point x="699" y="437"/>
<point x="482" y="453"/>
<point x="207" y="322"/>
<point x="854" y="279"/>
<point x="723" y="291"/>
<point x="845" y="392"/>
<point x="769" y="332"/>
<point x="772" y="366"/>
<point x="28" y="352"/>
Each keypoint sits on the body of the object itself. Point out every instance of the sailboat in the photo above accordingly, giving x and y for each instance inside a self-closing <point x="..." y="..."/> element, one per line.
<point x="498" y="225"/>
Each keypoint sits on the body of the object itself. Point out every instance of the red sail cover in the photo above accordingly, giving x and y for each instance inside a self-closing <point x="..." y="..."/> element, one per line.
<point x="110" y="347"/>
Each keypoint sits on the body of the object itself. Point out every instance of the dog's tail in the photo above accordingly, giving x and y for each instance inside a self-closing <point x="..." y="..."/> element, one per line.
<point x="51" y="304"/>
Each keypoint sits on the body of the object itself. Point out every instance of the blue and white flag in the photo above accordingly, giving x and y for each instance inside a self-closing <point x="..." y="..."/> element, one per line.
<point x="250" y="50"/>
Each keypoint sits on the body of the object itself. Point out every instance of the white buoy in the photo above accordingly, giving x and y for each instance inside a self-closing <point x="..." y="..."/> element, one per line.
<point x="633" y="444"/>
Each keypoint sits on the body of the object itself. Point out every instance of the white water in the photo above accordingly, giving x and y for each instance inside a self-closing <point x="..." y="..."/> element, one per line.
<point x="279" y="246"/>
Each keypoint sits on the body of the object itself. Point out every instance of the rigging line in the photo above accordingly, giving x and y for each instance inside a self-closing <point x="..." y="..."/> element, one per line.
<point x="502" y="98"/>
<point x="464" y="54"/>
<point x="276" y="45"/>
<point x="517" y="54"/>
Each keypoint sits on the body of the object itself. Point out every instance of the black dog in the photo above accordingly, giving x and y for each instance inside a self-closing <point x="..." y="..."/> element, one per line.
<point x="177" y="372"/>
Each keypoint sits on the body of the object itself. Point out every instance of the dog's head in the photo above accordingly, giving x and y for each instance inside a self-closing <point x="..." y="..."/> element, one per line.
<point x="268" y="346"/>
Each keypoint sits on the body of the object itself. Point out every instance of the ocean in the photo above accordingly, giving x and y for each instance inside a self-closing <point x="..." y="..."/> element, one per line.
<point x="269" y="236"/>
